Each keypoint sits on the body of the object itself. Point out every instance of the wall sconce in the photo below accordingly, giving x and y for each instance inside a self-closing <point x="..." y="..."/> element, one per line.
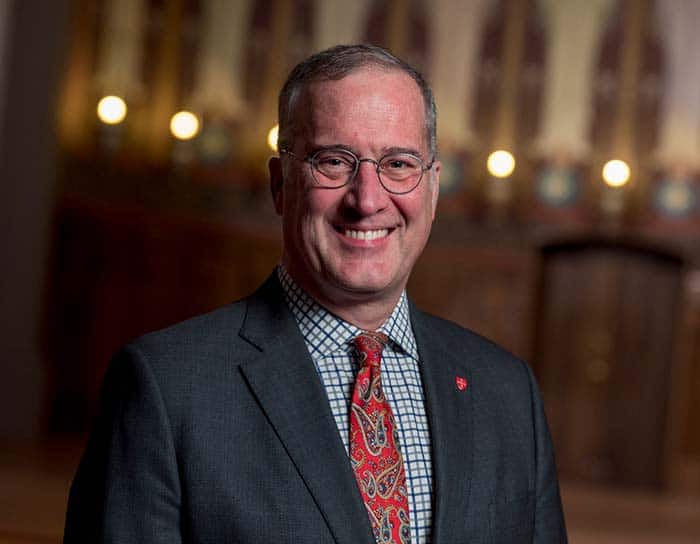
<point x="184" y="125"/>
<point x="111" y="110"/>
<point x="272" y="137"/>
<point x="616" y="173"/>
<point x="500" y="164"/>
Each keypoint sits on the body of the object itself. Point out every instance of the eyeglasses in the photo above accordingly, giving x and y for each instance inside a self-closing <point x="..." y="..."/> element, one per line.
<point x="399" y="173"/>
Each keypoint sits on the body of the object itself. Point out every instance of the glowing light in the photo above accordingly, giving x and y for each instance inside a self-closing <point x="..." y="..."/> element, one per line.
<point x="111" y="110"/>
<point x="616" y="173"/>
<point x="272" y="137"/>
<point x="500" y="164"/>
<point x="184" y="125"/>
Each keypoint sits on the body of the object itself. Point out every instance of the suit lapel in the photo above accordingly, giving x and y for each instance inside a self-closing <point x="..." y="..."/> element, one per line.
<point x="450" y="415"/>
<point x="287" y="386"/>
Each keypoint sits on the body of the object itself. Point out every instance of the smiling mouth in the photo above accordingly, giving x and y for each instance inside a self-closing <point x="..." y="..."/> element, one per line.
<point x="364" y="234"/>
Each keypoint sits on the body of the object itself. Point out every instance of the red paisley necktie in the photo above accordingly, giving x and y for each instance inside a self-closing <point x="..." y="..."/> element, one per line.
<point x="374" y="451"/>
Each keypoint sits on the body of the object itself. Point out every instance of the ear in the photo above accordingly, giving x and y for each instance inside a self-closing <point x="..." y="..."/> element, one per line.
<point x="274" y="165"/>
<point x="435" y="187"/>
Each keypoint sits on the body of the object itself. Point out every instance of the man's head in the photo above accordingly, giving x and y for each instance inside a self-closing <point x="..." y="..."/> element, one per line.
<point x="336" y="63"/>
<point x="352" y="246"/>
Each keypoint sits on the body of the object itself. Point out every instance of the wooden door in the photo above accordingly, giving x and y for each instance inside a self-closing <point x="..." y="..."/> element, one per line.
<point x="604" y="352"/>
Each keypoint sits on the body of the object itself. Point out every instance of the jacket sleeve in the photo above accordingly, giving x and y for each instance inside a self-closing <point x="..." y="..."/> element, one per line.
<point x="127" y="488"/>
<point x="549" y="517"/>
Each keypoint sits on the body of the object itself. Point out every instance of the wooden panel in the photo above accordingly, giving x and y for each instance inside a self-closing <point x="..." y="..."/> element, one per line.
<point x="605" y="349"/>
<point x="121" y="272"/>
<point x="489" y="290"/>
<point x="683" y="449"/>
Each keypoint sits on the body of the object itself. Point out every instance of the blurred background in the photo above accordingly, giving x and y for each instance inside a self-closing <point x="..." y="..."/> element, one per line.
<point x="568" y="228"/>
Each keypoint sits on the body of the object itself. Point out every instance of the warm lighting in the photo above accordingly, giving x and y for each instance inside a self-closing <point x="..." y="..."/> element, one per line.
<point x="616" y="173"/>
<point x="184" y="125"/>
<point x="272" y="137"/>
<point x="501" y="164"/>
<point x="111" y="110"/>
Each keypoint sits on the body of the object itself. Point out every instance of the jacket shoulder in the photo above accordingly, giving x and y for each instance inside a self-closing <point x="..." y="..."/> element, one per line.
<point x="202" y="330"/>
<point x="459" y="338"/>
<point x="218" y="330"/>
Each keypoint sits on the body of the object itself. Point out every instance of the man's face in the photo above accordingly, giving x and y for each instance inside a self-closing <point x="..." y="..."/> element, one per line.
<point x="358" y="242"/>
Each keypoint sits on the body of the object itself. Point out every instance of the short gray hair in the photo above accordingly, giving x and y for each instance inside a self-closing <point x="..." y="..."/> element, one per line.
<point x="336" y="63"/>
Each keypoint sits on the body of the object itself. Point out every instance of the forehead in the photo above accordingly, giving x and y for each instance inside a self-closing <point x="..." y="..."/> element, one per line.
<point x="370" y="107"/>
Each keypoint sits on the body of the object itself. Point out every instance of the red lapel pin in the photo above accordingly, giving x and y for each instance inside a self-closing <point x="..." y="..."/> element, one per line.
<point x="461" y="383"/>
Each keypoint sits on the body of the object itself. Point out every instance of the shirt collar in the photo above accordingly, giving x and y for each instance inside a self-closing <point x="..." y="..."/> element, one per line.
<point x="325" y="332"/>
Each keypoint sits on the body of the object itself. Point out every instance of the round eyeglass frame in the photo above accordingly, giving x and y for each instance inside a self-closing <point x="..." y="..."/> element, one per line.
<point x="358" y="160"/>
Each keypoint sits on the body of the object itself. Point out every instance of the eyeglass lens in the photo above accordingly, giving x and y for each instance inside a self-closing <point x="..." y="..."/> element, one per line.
<point x="398" y="172"/>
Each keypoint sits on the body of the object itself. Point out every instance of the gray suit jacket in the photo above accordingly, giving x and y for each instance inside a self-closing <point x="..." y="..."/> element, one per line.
<point x="218" y="430"/>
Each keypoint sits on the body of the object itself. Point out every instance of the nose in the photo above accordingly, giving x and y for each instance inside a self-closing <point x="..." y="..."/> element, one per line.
<point x="366" y="194"/>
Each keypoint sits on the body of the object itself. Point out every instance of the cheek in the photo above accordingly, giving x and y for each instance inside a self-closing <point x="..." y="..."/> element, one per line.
<point x="308" y="211"/>
<point x="417" y="211"/>
<point x="320" y="204"/>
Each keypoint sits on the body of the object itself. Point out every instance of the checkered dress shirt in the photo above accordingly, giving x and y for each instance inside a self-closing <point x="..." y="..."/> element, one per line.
<point x="329" y="341"/>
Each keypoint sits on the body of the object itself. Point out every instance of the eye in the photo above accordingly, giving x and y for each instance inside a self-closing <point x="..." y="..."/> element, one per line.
<point x="334" y="160"/>
<point x="395" y="163"/>
<point x="400" y="162"/>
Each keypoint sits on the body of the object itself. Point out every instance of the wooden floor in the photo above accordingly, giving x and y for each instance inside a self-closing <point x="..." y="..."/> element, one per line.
<point x="596" y="516"/>
<point x="34" y="482"/>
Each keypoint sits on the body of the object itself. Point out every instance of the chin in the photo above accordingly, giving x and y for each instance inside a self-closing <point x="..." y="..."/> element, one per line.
<point x="365" y="284"/>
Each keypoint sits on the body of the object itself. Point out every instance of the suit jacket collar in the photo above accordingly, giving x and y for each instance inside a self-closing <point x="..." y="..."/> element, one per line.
<point x="289" y="390"/>
<point x="448" y="407"/>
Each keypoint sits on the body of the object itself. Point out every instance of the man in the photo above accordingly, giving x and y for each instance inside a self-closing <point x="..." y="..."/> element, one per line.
<point x="249" y="425"/>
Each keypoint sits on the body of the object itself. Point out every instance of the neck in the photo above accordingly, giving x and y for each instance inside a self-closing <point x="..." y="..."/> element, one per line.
<point x="367" y="311"/>
<point x="367" y="315"/>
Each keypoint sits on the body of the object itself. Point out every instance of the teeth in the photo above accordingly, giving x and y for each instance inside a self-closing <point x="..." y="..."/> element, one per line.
<point x="366" y="234"/>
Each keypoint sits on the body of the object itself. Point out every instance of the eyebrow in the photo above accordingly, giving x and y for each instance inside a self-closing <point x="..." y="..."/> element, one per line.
<point x="385" y="151"/>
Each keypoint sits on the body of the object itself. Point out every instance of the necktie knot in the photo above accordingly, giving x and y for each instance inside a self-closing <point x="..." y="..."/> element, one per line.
<point x="369" y="346"/>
